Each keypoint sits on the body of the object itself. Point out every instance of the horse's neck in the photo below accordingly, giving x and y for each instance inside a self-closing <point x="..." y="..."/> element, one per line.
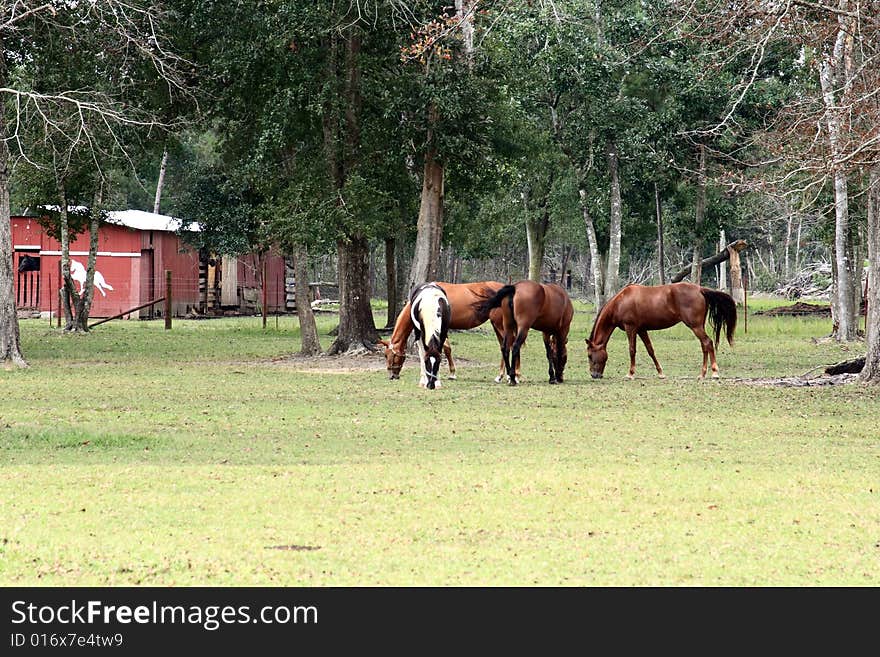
<point x="402" y="328"/>
<point x="605" y="323"/>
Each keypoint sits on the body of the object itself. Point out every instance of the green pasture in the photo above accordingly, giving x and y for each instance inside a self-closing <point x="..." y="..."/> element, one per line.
<point x="205" y="455"/>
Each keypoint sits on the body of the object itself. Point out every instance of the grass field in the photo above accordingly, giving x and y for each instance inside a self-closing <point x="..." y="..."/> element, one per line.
<point x="205" y="455"/>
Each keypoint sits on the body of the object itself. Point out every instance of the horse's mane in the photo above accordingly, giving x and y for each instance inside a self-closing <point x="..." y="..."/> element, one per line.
<point x="596" y="321"/>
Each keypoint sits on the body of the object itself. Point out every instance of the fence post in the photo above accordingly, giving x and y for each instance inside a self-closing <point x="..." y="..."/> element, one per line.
<point x="264" y="291"/>
<point x="168" y="300"/>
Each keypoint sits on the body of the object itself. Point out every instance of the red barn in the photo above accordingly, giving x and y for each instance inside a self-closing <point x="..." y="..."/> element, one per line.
<point x="134" y="250"/>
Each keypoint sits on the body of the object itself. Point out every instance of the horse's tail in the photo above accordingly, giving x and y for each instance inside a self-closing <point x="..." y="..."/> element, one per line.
<point x="721" y="313"/>
<point x="484" y="307"/>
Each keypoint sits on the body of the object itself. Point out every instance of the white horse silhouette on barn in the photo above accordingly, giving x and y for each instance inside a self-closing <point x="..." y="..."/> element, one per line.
<point x="78" y="273"/>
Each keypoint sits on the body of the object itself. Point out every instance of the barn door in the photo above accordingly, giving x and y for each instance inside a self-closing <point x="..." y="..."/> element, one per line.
<point x="147" y="283"/>
<point x="28" y="283"/>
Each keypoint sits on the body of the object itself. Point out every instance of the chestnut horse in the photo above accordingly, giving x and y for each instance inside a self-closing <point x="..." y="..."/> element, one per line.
<point x="430" y="313"/>
<point x="461" y="297"/>
<point x="545" y="307"/>
<point x="637" y="309"/>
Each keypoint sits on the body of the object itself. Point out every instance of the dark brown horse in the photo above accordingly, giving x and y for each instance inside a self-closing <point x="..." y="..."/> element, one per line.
<point x="637" y="309"/>
<point x="544" y="307"/>
<point x="462" y="297"/>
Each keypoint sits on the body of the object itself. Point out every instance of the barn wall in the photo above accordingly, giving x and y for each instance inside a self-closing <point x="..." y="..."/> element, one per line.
<point x="118" y="257"/>
<point x="132" y="263"/>
<point x="183" y="261"/>
<point x="249" y="282"/>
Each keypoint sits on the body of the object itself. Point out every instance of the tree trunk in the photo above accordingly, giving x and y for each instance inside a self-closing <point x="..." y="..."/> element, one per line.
<point x="429" y="230"/>
<point x="69" y="289"/>
<point x="737" y="291"/>
<point x="10" y="341"/>
<point x="722" y="267"/>
<point x="84" y="303"/>
<point x="394" y="304"/>
<point x="595" y="257"/>
<point x="844" y="317"/>
<point x="308" y="330"/>
<point x="871" y="371"/>
<point x="563" y="265"/>
<point x="157" y="202"/>
<point x="711" y="261"/>
<point x="789" y="220"/>
<point x="699" y="217"/>
<point x="661" y="256"/>
<point x="357" y="329"/>
<point x="537" y="224"/>
<point x="342" y="149"/>
<point x="612" y="267"/>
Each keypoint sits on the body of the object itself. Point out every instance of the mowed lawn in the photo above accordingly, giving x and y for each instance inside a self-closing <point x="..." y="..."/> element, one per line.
<point x="204" y="455"/>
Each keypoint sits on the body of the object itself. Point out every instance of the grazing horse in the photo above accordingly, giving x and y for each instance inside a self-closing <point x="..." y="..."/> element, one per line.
<point x="544" y="307"/>
<point x="638" y="309"/>
<point x="430" y="313"/>
<point x="461" y="297"/>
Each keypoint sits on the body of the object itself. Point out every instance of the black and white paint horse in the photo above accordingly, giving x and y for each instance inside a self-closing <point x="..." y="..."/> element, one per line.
<point x="430" y="313"/>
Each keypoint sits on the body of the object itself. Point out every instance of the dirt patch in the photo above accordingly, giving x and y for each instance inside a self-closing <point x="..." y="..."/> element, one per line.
<point x="339" y="364"/>
<point x="800" y="381"/>
<point x="800" y="309"/>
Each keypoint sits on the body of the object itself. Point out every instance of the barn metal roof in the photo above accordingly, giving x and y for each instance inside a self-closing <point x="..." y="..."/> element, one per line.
<point x="141" y="220"/>
<point x="137" y="219"/>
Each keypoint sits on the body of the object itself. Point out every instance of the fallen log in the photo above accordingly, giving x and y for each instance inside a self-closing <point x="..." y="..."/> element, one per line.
<point x="711" y="261"/>
<point x="853" y="366"/>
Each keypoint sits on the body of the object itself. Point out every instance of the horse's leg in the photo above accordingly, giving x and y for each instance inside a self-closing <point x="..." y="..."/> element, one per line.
<point x="561" y="353"/>
<point x="505" y="355"/>
<point x="708" y="351"/>
<point x="423" y="380"/>
<point x="501" y="368"/>
<point x="643" y="334"/>
<point x="631" y="336"/>
<point x="447" y="349"/>
<point x="517" y="345"/>
<point x="548" y="348"/>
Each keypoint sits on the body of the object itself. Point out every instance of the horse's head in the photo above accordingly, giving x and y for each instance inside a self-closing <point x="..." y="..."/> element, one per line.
<point x="393" y="359"/>
<point x="597" y="356"/>
<point x="433" y="356"/>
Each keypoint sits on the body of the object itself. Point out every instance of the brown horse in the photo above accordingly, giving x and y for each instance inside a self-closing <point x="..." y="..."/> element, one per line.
<point x="545" y="307"/>
<point x="637" y="309"/>
<point x="462" y="297"/>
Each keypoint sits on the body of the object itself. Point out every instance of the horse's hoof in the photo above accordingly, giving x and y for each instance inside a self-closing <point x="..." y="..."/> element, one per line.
<point x="661" y="376"/>
<point x="512" y="382"/>
<point x="630" y="376"/>
<point x="715" y="375"/>
<point x="552" y="382"/>
<point x="437" y="384"/>
<point x="452" y="377"/>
